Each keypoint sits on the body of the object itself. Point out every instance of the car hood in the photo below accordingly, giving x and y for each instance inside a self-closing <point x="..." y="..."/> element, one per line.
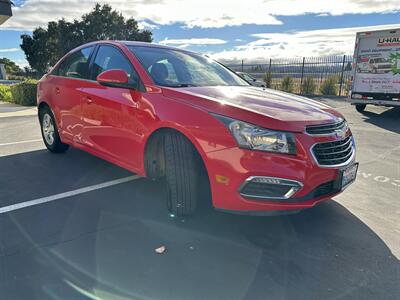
<point x="264" y="107"/>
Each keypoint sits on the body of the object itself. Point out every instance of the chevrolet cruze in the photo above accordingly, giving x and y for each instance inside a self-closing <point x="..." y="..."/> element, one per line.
<point x="179" y="117"/>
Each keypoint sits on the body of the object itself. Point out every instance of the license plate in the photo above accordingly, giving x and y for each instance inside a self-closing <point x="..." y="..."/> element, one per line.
<point x="349" y="175"/>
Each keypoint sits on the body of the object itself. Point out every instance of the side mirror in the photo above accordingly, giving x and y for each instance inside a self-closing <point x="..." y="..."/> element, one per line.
<point x="114" y="78"/>
<point x="254" y="79"/>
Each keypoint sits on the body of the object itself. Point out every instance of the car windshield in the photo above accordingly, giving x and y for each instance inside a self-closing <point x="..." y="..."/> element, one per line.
<point x="175" y="68"/>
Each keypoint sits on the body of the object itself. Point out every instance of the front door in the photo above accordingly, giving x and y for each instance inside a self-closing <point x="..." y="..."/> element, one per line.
<point x="109" y="113"/>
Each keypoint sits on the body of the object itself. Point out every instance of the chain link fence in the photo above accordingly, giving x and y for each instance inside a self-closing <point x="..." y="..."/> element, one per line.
<point x="328" y="75"/>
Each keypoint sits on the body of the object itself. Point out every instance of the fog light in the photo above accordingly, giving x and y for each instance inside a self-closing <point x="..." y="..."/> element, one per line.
<point x="260" y="187"/>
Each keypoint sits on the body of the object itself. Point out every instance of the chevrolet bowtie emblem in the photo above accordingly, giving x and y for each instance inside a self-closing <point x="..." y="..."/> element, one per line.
<point x="340" y="133"/>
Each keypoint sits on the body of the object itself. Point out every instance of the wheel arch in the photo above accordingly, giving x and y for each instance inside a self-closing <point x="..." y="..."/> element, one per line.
<point x="43" y="104"/>
<point x="154" y="138"/>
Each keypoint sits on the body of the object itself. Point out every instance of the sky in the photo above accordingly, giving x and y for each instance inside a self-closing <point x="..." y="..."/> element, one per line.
<point x="252" y="30"/>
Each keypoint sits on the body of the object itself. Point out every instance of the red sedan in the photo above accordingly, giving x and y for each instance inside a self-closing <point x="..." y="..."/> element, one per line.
<point x="177" y="116"/>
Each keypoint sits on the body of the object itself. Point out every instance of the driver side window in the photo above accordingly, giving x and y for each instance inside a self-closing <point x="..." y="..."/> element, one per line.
<point x="110" y="58"/>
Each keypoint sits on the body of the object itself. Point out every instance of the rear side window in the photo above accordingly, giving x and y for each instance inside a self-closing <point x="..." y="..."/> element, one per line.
<point x="76" y="65"/>
<point x="110" y="58"/>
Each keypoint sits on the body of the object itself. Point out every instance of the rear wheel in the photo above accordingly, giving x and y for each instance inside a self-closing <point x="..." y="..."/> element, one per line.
<point x="181" y="174"/>
<point x="49" y="130"/>
<point x="360" y="107"/>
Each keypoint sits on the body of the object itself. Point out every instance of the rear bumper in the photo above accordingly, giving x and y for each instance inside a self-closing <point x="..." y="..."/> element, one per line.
<point x="375" y="102"/>
<point x="375" y="98"/>
<point x="315" y="183"/>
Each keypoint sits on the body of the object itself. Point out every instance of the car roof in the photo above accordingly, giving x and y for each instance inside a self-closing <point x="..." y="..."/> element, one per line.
<point x="134" y="43"/>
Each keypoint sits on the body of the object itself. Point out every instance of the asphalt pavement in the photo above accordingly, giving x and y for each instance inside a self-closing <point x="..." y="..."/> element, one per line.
<point x="89" y="229"/>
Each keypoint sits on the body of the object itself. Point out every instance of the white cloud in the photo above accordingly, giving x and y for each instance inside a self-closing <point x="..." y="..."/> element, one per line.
<point x="9" y="50"/>
<point x="22" y="63"/>
<point x="147" y="25"/>
<point x="192" y="42"/>
<point x="296" y="44"/>
<point x="192" y="13"/>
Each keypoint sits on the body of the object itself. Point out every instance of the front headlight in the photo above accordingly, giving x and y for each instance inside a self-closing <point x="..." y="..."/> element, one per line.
<point x="250" y="136"/>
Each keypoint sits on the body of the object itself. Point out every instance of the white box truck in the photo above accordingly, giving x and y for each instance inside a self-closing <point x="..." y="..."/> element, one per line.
<point x="376" y="69"/>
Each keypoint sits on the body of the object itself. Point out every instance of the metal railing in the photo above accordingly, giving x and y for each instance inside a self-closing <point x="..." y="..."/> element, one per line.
<point x="303" y="75"/>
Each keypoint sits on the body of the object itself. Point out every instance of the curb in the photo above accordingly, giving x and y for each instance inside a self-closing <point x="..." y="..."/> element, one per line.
<point x="14" y="110"/>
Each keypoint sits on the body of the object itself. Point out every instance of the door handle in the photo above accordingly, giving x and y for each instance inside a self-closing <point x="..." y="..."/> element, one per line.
<point x="89" y="100"/>
<point x="57" y="90"/>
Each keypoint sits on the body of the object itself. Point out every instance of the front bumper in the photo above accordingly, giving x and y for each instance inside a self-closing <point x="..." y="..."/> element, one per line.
<point x="304" y="183"/>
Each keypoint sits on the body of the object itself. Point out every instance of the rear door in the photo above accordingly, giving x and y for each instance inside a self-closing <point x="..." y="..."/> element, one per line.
<point x="66" y="83"/>
<point x="109" y="113"/>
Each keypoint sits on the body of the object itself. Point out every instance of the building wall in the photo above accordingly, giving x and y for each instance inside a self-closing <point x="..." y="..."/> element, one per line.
<point x="3" y="74"/>
<point x="5" y="10"/>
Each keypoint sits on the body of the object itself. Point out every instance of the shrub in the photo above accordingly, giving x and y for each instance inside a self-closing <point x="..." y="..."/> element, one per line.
<point x="346" y="87"/>
<point x="267" y="79"/>
<point x="16" y="77"/>
<point x="287" y="84"/>
<point x="308" y="86"/>
<point x="5" y="93"/>
<point x="328" y="87"/>
<point x="24" y="93"/>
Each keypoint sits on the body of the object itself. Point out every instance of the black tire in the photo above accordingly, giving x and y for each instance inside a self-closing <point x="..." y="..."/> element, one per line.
<point x="361" y="107"/>
<point x="55" y="146"/>
<point x="181" y="174"/>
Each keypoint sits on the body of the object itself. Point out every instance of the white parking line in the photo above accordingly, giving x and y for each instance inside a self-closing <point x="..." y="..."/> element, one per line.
<point x="21" y="142"/>
<point x="90" y="188"/>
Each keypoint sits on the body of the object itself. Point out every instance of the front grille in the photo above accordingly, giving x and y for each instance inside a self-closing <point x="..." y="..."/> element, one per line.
<point x="326" y="129"/>
<point x="334" y="153"/>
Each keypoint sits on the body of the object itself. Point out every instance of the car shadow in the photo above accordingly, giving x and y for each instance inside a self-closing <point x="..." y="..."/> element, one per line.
<point x="101" y="244"/>
<point x="389" y="119"/>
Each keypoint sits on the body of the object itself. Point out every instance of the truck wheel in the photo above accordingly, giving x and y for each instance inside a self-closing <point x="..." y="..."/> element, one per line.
<point x="361" y="107"/>
<point x="50" y="135"/>
<point x="181" y="174"/>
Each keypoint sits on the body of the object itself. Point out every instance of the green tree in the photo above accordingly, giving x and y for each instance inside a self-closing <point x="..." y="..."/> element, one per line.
<point x="287" y="84"/>
<point x="10" y="66"/>
<point x="47" y="45"/>
<point x="308" y="86"/>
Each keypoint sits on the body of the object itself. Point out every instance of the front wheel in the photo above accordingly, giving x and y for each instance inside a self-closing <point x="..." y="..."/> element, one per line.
<point x="50" y="135"/>
<point x="360" y="107"/>
<point x="181" y="175"/>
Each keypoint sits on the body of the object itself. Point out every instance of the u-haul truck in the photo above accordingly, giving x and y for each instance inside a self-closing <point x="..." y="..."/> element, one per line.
<point x="376" y="69"/>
